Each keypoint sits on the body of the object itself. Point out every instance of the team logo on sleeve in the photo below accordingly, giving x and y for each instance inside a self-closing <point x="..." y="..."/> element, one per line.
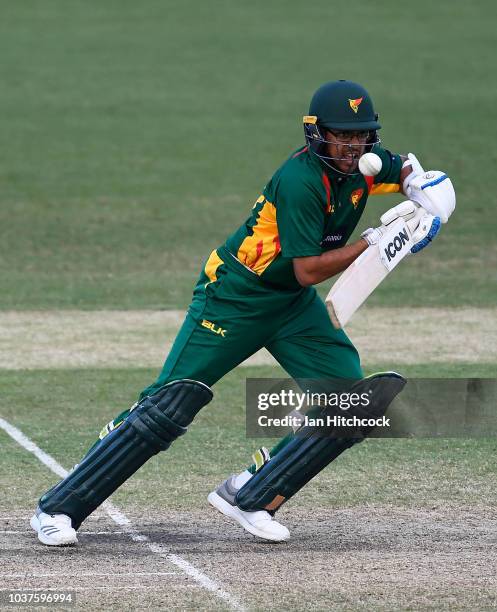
<point x="354" y="104"/>
<point x="355" y="197"/>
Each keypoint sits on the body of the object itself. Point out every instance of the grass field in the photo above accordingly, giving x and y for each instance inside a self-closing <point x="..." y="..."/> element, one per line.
<point x="135" y="138"/>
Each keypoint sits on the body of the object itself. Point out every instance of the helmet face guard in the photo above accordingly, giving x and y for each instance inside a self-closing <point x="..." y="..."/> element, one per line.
<point x="318" y="144"/>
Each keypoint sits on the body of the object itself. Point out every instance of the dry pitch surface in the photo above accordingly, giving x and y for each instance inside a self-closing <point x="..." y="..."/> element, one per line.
<point x="362" y="557"/>
<point x="359" y="558"/>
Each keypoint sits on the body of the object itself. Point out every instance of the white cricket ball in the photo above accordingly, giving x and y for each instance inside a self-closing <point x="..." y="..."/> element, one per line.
<point x="370" y="164"/>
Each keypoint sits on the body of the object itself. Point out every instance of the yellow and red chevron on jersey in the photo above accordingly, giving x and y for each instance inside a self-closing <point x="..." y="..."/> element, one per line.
<point x="211" y="266"/>
<point x="381" y="188"/>
<point x="263" y="246"/>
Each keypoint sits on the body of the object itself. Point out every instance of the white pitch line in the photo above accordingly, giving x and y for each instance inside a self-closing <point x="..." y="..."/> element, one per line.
<point x="19" y="531"/>
<point x="94" y="588"/>
<point x="123" y="521"/>
<point x="89" y="575"/>
<point x="14" y="518"/>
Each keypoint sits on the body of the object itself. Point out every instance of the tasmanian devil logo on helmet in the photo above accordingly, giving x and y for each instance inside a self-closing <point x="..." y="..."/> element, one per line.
<point x="354" y="104"/>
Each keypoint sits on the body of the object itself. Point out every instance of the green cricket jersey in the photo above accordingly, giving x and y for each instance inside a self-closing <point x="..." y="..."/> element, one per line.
<point x="305" y="209"/>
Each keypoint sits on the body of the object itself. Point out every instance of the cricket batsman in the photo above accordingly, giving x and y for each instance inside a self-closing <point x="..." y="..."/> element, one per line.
<point x="254" y="291"/>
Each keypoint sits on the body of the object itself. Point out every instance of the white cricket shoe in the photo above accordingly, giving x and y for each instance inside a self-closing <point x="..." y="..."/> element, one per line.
<point x="53" y="529"/>
<point x="259" y="523"/>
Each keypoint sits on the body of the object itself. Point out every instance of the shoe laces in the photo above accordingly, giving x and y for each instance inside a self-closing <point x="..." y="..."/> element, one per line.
<point x="61" y="520"/>
<point x="262" y="515"/>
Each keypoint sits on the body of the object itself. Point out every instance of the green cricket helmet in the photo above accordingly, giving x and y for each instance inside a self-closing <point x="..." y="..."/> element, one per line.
<point x="341" y="106"/>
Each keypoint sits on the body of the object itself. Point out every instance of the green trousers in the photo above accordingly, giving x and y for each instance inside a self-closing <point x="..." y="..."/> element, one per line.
<point x="234" y="314"/>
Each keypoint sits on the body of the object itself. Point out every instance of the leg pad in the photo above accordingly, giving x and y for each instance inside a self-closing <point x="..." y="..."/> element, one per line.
<point x="151" y="427"/>
<point x="313" y="448"/>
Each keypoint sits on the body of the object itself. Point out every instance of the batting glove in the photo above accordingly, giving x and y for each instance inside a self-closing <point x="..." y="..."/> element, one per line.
<point x="428" y="228"/>
<point x="416" y="170"/>
<point x="373" y="235"/>
<point x="434" y="191"/>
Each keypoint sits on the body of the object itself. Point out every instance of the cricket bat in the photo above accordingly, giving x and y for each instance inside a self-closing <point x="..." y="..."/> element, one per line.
<point x="362" y="277"/>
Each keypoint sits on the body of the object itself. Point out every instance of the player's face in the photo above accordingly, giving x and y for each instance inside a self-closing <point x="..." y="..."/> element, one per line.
<point x="346" y="148"/>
